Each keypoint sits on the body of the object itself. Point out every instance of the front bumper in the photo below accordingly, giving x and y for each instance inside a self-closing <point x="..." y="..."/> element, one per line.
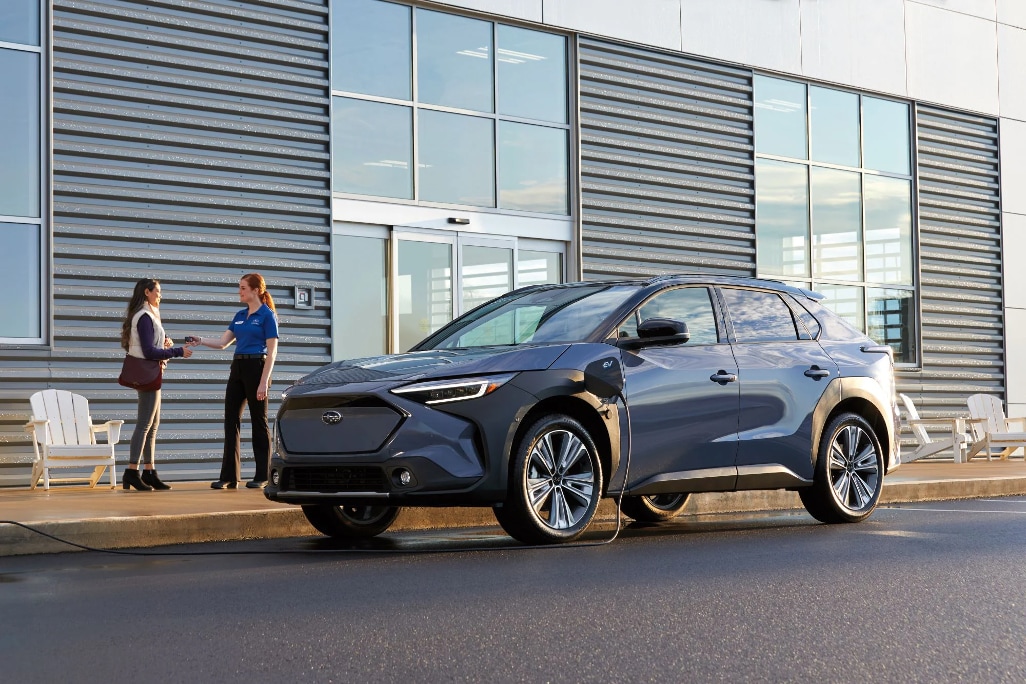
<point x="389" y="450"/>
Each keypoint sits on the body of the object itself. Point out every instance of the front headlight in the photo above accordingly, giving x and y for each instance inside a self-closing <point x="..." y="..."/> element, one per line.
<point x="444" y="391"/>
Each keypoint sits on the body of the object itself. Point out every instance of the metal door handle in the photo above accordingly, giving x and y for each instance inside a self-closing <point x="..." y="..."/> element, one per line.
<point x="723" y="377"/>
<point x="816" y="372"/>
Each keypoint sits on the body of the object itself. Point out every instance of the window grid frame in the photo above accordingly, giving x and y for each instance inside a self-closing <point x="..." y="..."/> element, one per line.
<point x="43" y="220"/>
<point x="494" y="116"/>
<point x="864" y="286"/>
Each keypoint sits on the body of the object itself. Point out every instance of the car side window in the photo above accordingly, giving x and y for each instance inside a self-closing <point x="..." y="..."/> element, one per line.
<point x="759" y="316"/>
<point x="692" y="305"/>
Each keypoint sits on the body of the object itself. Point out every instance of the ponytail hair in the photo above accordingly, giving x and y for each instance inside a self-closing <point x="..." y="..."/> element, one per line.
<point x="256" y="282"/>
<point x="134" y="304"/>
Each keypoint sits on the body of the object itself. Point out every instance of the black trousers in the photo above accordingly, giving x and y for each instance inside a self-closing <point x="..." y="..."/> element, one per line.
<point x="241" y="390"/>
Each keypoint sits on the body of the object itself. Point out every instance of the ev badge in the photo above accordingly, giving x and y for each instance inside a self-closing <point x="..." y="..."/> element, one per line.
<point x="331" y="418"/>
<point x="608" y="363"/>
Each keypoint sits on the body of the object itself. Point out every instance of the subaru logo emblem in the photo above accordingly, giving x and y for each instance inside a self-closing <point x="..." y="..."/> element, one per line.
<point x="331" y="418"/>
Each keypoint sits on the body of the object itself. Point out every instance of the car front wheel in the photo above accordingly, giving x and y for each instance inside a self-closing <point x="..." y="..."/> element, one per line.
<point x="849" y="472"/>
<point x="556" y="483"/>
<point x="350" y="522"/>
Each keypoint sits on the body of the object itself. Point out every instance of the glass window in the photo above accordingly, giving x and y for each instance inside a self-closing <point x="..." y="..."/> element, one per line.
<point x="371" y="48"/>
<point x="19" y="22"/>
<point x="846" y="302"/>
<point x="20" y="278"/>
<point x="19" y="134"/>
<point x="759" y="316"/>
<point x="359" y="308"/>
<point x="836" y="224"/>
<point x="485" y="273"/>
<point x="532" y="74"/>
<point x="690" y="305"/>
<point x="782" y="218"/>
<point x="888" y="230"/>
<point x="780" y="117"/>
<point x="372" y="149"/>
<point x="454" y="61"/>
<point x="538" y="268"/>
<point x="423" y="289"/>
<point x="890" y="316"/>
<point x="533" y="168"/>
<point x="885" y="135"/>
<point x="456" y="159"/>
<point x="835" y="126"/>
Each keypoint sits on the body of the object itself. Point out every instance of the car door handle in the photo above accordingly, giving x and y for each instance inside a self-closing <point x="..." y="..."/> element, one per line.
<point x="816" y="373"/>
<point x="723" y="377"/>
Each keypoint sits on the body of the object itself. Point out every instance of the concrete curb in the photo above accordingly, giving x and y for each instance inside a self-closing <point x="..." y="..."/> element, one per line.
<point x="142" y="531"/>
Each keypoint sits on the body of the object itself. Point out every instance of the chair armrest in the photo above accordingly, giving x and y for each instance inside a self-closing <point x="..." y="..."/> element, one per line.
<point x="1009" y="422"/>
<point x="112" y="428"/>
<point x="37" y="428"/>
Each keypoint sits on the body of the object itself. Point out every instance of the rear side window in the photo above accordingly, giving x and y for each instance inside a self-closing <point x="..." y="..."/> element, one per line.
<point x="834" y="327"/>
<point x="759" y="316"/>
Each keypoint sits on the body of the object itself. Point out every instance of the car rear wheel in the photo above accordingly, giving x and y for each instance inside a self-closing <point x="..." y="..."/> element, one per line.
<point x="849" y="472"/>
<point x="350" y="522"/>
<point x="555" y="485"/>
<point x="654" y="508"/>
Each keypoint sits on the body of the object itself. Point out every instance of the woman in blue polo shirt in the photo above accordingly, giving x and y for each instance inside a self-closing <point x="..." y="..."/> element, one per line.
<point x="255" y="332"/>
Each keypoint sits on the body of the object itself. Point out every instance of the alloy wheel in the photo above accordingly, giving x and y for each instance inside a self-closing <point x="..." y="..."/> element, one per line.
<point x="560" y="479"/>
<point x="854" y="468"/>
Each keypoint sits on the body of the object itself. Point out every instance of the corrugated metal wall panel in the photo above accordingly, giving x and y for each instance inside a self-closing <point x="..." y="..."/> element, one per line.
<point x="960" y="262"/>
<point x="190" y="143"/>
<point x="667" y="178"/>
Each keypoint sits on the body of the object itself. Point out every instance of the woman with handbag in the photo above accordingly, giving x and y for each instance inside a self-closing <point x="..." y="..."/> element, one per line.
<point x="254" y="329"/>
<point x="142" y="336"/>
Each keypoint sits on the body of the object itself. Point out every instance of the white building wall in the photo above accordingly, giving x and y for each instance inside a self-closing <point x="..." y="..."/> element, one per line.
<point x="965" y="54"/>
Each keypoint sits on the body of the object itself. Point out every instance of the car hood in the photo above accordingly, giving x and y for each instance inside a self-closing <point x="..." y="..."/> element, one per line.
<point x="437" y="363"/>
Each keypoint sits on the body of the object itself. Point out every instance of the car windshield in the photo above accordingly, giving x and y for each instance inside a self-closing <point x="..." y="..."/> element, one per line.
<point x="551" y="315"/>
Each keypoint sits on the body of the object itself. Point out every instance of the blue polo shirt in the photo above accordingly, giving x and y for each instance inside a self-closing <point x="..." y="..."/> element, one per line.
<point x="253" y="330"/>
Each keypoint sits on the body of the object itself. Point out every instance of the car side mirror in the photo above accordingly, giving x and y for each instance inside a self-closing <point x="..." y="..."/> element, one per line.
<point x="658" y="331"/>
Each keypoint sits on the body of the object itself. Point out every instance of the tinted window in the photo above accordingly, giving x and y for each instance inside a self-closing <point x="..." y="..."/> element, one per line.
<point x="759" y="316"/>
<point x="780" y="117"/>
<point x="454" y="61"/>
<point x="372" y="152"/>
<point x="532" y="74"/>
<point x="691" y="305"/>
<point x="834" y="327"/>
<point x="810" y="324"/>
<point x="371" y="48"/>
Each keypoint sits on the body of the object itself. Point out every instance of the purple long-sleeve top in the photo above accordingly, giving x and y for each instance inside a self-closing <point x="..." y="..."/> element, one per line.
<point x="149" y="345"/>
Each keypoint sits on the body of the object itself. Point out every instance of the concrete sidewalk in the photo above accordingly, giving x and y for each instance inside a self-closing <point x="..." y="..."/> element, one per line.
<point x="192" y="512"/>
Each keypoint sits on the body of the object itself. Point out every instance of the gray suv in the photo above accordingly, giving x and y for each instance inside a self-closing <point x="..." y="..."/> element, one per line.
<point x="543" y="401"/>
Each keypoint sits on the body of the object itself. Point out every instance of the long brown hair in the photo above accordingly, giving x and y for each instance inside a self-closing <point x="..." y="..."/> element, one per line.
<point x="134" y="304"/>
<point x="256" y="282"/>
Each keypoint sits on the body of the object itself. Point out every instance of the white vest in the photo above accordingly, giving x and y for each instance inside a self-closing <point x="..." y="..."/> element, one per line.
<point x="134" y="345"/>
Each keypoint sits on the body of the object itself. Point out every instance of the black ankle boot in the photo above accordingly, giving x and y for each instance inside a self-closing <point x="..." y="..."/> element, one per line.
<point x="150" y="478"/>
<point x="131" y="479"/>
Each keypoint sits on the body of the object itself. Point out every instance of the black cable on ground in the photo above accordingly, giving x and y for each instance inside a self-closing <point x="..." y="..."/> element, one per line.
<point x="264" y="552"/>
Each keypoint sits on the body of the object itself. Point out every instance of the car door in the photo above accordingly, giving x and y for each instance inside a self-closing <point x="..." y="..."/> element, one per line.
<point x="683" y="398"/>
<point x="783" y="374"/>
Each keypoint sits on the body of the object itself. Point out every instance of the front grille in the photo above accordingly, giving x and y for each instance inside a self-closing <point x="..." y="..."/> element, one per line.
<point x="335" y="479"/>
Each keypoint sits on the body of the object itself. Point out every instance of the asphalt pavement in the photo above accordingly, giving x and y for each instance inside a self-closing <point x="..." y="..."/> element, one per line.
<point x="103" y="518"/>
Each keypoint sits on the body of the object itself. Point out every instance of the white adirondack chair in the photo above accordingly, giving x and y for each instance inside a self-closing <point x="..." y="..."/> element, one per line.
<point x="954" y="437"/>
<point x="63" y="436"/>
<point x="991" y="430"/>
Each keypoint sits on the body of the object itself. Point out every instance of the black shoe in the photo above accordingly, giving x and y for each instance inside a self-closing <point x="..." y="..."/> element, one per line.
<point x="224" y="484"/>
<point x="256" y="484"/>
<point x="131" y="479"/>
<point x="150" y="478"/>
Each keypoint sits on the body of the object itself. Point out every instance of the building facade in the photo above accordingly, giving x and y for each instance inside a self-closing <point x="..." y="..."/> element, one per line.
<point x="388" y="165"/>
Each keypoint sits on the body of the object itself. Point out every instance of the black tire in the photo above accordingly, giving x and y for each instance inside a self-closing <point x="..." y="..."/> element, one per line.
<point x="654" y="508"/>
<point x="849" y="472"/>
<point x="555" y="483"/>
<point x="350" y="522"/>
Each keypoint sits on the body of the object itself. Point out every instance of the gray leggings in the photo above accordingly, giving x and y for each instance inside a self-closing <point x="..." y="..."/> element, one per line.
<point x="145" y="436"/>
